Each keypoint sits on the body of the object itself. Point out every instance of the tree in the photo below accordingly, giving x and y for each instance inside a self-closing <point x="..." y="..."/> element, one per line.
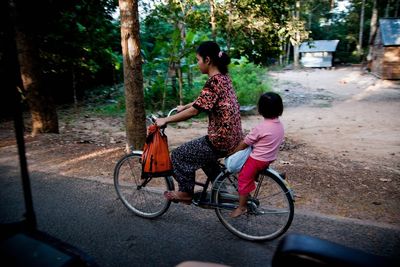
<point x="297" y="36"/>
<point x="213" y="21"/>
<point x="360" y="35"/>
<point x="80" y="47"/>
<point x="169" y="55"/>
<point x="133" y="77"/>
<point x="41" y="105"/>
<point x="373" y="28"/>
<point x="250" y="27"/>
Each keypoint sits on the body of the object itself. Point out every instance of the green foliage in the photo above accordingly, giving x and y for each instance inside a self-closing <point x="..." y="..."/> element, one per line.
<point x="248" y="81"/>
<point x="114" y="109"/>
<point x="253" y="28"/>
<point x="106" y="100"/>
<point x="79" y="45"/>
<point x="167" y="51"/>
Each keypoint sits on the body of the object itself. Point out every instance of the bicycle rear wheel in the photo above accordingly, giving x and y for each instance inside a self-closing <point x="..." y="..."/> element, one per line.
<point x="144" y="197"/>
<point x="270" y="211"/>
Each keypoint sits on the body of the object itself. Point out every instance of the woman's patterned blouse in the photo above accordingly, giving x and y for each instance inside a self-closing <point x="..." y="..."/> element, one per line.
<point x="219" y="100"/>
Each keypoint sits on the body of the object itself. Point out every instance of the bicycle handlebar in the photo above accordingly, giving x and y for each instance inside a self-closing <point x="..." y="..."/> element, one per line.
<point x="172" y="111"/>
<point x="152" y="118"/>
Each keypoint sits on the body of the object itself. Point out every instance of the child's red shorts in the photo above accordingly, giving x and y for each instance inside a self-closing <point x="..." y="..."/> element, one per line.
<point x="248" y="174"/>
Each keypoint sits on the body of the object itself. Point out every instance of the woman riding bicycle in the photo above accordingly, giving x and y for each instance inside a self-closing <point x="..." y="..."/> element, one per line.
<point x="219" y="101"/>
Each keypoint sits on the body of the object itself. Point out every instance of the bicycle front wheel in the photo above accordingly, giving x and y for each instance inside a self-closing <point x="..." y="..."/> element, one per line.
<point x="144" y="197"/>
<point x="270" y="208"/>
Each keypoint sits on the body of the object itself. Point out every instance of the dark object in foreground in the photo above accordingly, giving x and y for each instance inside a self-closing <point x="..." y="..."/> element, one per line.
<point x="303" y="250"/>
<point x="22" y="246"/>
<point x="21" y="243"/>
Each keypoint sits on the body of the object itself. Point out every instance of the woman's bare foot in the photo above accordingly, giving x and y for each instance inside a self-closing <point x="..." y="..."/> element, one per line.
<point x="238" y="211"/>
<point x="176" y="197"/>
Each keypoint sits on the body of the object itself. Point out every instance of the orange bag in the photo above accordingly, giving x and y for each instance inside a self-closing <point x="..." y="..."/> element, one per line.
<point x="156" y="161"/>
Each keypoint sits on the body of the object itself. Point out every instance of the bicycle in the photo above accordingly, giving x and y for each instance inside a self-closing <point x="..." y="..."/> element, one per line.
<point x="270" y="207"/>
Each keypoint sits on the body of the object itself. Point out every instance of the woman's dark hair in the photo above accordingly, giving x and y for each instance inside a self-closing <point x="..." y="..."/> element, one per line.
<point x="218" y="58"/>
<point x="270" y="105"/>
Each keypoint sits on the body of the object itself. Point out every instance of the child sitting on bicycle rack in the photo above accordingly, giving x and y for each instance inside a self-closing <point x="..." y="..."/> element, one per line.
<point x="265" y="139"/>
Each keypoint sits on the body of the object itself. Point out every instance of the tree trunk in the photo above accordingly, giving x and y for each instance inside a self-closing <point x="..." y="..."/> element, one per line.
<point x="373" y="28"/>
<point x="296" y="45"/>
<point x="182" y="29"/>
<point x="282" y="51"/>
<point x="387" y="9"/>
<point x="396" y="10"/>
<point x="133" y="76"/>
<point x="74" y="89"/>
<point x="374" y="21"/>
<point x="287" y="52"/>
<point x="164" y="94"/>
<point x="190" y="78"/>
<point x="360" y="35"/>
<point x="229" y="26"/>
<point x="213" y="20"/>
<point x="41" y="105"/>
<point x="180" y="83"/>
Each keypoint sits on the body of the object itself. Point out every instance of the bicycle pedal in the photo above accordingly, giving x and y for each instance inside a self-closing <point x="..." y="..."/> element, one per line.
<point x="197" y="196"/>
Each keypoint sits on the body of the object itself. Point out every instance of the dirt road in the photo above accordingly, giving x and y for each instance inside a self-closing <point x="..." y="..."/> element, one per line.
<point x="347" y="125"/>
<point x="345" y="112"/>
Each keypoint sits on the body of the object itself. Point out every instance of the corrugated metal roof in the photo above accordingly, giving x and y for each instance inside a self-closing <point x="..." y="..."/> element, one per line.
<point x="319" y="46"/>
<point x="390" y="31"/>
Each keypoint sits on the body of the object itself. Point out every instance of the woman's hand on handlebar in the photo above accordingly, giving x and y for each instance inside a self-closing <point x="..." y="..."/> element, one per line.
<point x="161" y="122"/>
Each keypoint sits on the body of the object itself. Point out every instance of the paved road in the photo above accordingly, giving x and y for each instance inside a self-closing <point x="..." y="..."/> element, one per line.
<point x="88" y="215"/>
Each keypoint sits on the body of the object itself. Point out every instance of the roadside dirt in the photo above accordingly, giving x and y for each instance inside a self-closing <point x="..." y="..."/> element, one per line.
<point x="341" y="153"/>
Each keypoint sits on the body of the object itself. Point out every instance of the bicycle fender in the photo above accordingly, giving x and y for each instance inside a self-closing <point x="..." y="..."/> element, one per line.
<point x="272" y="172"/>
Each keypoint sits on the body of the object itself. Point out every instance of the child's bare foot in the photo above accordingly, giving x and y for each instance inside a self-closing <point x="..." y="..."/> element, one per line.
<point x="237" y="212"/>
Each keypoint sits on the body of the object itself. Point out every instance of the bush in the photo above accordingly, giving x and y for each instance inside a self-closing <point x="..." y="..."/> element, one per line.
<point x="248" y="81"/>
<point x="106" y="100"/>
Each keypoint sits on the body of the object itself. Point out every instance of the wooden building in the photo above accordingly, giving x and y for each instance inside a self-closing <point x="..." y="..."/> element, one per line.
<point x="318" y="53"/>
<point x="385" y="54"/>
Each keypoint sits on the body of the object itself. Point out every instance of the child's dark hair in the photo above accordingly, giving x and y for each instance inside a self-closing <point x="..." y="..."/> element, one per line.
<point x="270" y="105"/>
<point x="218" y="58"/>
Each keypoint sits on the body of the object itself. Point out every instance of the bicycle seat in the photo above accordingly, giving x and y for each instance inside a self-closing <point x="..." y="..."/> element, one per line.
<point x="303" y="250"/>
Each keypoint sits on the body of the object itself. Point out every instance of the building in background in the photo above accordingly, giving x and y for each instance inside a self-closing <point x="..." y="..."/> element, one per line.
<point x="385" y="54"/>
<point x="318" y="53"/>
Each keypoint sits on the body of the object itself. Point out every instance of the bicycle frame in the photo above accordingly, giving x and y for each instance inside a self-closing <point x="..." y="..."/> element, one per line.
<point x="202" y="200"/>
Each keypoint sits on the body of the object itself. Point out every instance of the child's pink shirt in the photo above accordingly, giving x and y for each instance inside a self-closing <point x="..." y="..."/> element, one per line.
<point x="265" y="138"/>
